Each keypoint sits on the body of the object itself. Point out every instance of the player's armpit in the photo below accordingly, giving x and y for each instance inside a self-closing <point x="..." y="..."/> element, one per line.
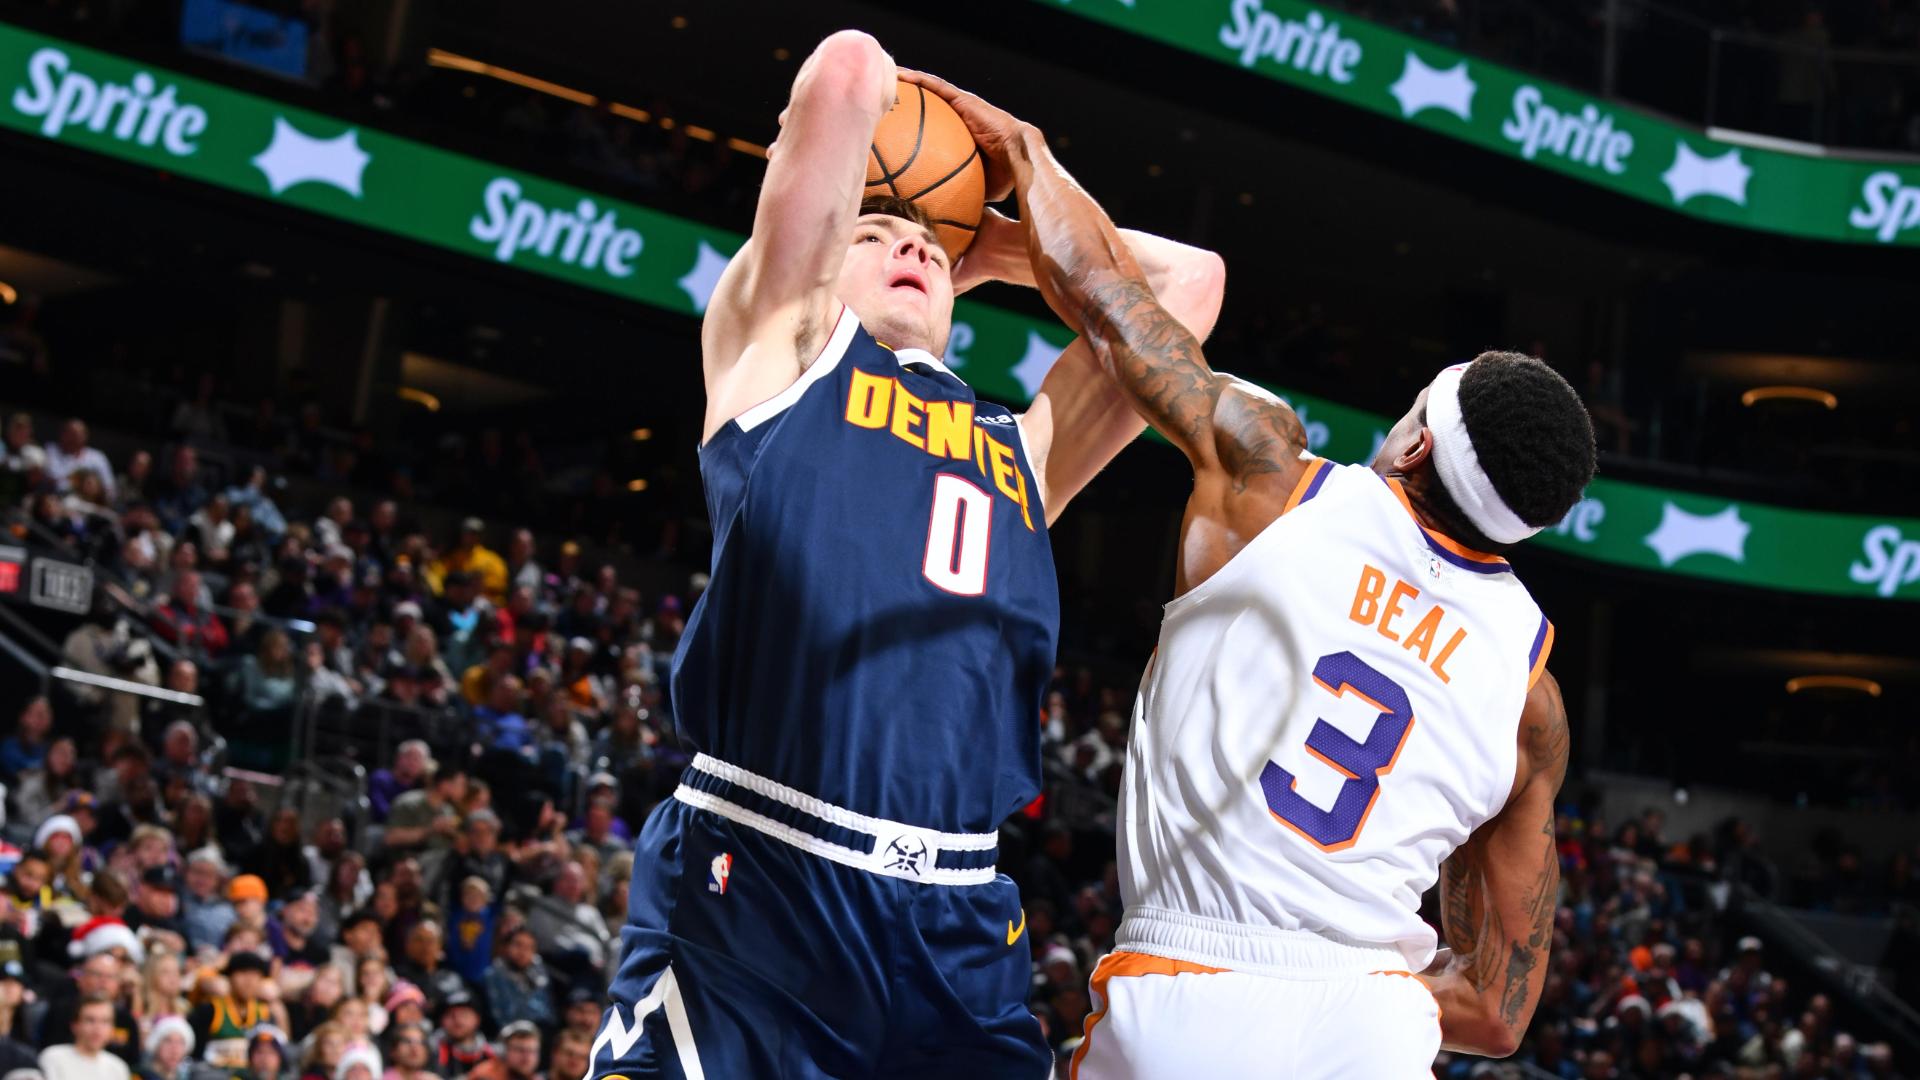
<point x="772" y="307"/>
<point x="1498" y="895"/>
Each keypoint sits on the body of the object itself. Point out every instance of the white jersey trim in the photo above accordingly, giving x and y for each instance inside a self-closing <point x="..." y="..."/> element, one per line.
<point x="829" y="358"/>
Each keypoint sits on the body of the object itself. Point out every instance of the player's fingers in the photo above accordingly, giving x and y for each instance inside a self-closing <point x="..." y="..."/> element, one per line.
<point x="931" y="81"/>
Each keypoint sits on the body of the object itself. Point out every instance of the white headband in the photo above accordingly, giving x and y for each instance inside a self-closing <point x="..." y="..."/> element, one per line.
<point x="1459" y="466"/>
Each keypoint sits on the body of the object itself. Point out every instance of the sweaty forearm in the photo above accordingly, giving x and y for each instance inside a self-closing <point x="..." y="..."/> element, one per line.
<point x="1077" y="254"/>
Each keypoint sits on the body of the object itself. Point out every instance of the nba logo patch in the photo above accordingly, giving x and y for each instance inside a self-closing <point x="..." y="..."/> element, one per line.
<point x="717" y="873"/>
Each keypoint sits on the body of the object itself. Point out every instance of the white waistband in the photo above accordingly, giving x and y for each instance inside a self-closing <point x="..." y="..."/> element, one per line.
<point x="899" y="850"/>
<point x="1253" y="950"/>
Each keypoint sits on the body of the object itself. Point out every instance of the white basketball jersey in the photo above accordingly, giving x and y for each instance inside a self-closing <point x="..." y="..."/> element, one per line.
<point x="1326" y="718"/>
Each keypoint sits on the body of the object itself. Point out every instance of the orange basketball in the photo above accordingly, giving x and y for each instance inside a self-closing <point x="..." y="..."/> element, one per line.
<point x="923" y="152"/>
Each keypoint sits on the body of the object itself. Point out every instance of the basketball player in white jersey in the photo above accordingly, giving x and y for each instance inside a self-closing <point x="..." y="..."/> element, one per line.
<point x="1349" y="694"/>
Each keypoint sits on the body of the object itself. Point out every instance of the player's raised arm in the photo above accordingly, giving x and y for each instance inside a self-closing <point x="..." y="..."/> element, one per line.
<point x="1498" y="893"/>
<point x="771" y="309"/>
<point x="1080" y="418"/>
<point x="1240" y="438"/>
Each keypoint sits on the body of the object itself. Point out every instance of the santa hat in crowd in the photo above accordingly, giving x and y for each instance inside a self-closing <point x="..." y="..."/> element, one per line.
<point x="169" y="1025"/>
<point x="95" y="936"/>
<point x="359" y="1055"/>
<point x="58" y="823"/>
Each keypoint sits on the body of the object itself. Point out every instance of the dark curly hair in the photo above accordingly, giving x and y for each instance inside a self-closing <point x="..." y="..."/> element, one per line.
<point x="1531" y="433"/>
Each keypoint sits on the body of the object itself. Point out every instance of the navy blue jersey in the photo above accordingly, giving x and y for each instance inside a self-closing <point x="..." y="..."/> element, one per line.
<point x="881" y="620"/>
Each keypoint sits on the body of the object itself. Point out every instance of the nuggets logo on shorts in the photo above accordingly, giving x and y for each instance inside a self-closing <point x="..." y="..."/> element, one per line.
<point x="717" y="873"/>
<point x="907" y="853"/>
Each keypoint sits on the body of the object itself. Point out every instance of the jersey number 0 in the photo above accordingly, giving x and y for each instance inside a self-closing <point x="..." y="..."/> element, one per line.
<point x="957" y="536"/>
<point x="1362" y="763"/>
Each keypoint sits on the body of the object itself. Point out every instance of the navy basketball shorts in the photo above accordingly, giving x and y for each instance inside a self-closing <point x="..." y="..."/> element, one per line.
<point x="771" y="935"/>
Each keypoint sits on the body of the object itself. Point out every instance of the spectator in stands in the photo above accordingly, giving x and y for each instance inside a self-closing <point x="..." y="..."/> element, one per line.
<point x="293" y="935"/>
<point x="179" y="494"/>
<point x="523" y="570"/>
<point x="86" y="1057"/>
<point x="19" y="454"/>
<point x="517" y="983"/>
<point x="567" y="920"/>
<point x="97" y="978"/>
<point x="410" y="1054"/>
<point x="324" y="1058"/>
<point x="459" y="1045"/>
<point x="70" y="453"/>
<point x="321" y="682"/>
<point x="192" y="628"/>
<point x="423" y="966"/>
<point x="481" y="856"/>
<point x="205" y="912"/>
<point x="519" y="1055"/>
<point x="161" y="991"/>
<point x="156" y="902"/>
<point x="169" y="1050"/>
<point x="501" y="726"/>
<point x="267" y="687"/>
<point x="15" y="1051"/>
<point x="430" y="815"/>
<point x="253" y="497"/>
<point x="223" y="1024"/>
<point x="469" y="555"/>
<point x="569" y="1055"/>
<point x="470" y="930"/>
<point x="280" y="860"/>
<point x="268" y="1056"/>
<point x="26" y="748"/>
<point x="476" y="683"/>
<point x="412" y="764"/>
<point x="433" y="680"/>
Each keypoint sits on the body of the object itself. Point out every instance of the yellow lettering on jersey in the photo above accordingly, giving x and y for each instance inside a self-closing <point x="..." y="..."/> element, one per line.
<point x="907" y="411"/>
<point x="1004" y="470"/>
<point x="949" y="429"/>
<point x="867" y="398"/>
<point x="1374" y="599"/>
<point x="1366" y="598"/>
<point x="945" y="429"/>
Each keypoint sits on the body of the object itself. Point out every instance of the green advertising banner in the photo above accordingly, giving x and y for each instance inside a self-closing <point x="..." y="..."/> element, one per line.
<point x="1554" y="127"/>
<point x="259" y="147"/>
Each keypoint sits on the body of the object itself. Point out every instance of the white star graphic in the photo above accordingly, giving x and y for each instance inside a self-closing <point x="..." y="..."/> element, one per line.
<point x="698" y="282"/>
<point x="1039" y="358"/>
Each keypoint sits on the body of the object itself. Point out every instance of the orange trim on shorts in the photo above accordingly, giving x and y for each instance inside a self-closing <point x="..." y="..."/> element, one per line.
<point x="1314" y="468"/>
<point x="1439" y="1013"/>
<point x="1442" y="539"/>
<point x="1127" y="965"/>
<point x="1540" y="662"/>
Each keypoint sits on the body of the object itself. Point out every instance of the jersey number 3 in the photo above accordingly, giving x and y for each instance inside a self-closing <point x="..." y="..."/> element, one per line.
<point x="1362" y="763"/>
<point x="957" y="536"/>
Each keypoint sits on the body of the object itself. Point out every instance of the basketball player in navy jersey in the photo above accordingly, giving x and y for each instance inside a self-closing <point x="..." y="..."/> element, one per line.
<point x="863" y="675"/>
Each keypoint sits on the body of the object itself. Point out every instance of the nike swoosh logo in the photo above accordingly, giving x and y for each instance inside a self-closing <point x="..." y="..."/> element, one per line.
<point x="1014" y="935"/>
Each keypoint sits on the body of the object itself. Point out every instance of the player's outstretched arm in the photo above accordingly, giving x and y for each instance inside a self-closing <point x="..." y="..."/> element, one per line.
<point x="1498" y="894"/>
<point x="1080" y="418"/>
<point x="770" y="311"/>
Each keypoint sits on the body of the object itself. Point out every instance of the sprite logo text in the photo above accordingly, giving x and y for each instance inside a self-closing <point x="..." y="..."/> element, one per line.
<point x="583" y="236"/>
<point x="141" y="112"/>
<point x="1891" y="561"/>
<point x="1312" y="45"/>
<point x="1891" y="207"/>
<point x="1585" y="138"/>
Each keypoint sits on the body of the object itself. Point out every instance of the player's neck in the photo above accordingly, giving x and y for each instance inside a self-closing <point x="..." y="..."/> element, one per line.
<point x="1440" y="515"/>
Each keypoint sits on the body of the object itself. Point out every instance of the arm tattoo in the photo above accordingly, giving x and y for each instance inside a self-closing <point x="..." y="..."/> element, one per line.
<point x="1547" y="748"/>
<point x="1471" y="920"/>
<point x="1160" y="365"/>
